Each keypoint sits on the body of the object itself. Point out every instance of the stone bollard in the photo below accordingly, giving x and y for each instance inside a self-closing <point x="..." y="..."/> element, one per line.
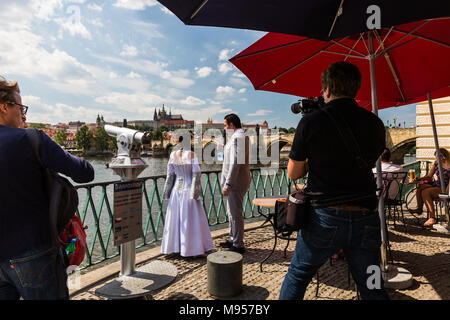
<point x="224" y="274"/>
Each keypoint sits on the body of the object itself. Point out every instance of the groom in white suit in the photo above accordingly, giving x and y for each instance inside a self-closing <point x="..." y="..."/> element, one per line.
<point x="235" y="180"/>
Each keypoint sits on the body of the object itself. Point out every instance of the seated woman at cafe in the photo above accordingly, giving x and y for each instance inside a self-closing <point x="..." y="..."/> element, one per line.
<point x="430" y="190"/>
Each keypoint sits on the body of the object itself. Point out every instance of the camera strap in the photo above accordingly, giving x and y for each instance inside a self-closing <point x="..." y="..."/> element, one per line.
<point x="348" y="138"/>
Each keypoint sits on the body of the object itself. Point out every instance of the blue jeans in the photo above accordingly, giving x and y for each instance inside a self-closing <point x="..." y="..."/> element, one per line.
<point x="329" y="230"/>
<point x="34" y="276"/>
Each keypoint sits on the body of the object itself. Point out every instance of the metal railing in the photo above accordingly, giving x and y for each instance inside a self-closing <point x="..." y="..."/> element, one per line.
<point x="96" y="208"/>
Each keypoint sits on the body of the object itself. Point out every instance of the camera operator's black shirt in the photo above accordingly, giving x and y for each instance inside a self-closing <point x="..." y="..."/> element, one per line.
<point x="333" y="172"/>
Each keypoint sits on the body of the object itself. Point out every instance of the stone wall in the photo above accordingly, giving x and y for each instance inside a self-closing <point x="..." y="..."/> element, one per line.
<point x="425" y="140"/>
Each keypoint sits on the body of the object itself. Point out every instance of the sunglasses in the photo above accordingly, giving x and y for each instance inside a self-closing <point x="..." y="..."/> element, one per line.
<point x="23" y="108"/>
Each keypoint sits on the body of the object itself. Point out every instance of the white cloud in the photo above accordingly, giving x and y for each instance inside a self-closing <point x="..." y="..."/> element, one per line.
<point x="203" y="72"/>
<point x="138" y="101"/>
<point x="53" y="113"/>
<point x="192" y="101"/>
<point x="224" y="68"/>
<point x="179" y="78"/>
<point x="129" y="51"/>
<point x="94" y="7"/>
<point x="238" y="75"/>
<point x="113" y="75"/>
<point x="74" y="28"/>
<point x="243" y="90"/>
<point x="144" y="66"/>
<point x="201" y="115"/>
<point x="167" y="11"/>
<point x="223" y="92"/>
<point x="260" y="112"/>
<point x="44" y="9"/>
<point x="134" y="4"/>
<point x="225" y="54"/>
<point x="147" y="29"/>
<point x="95" y="22"/>
<point x="133" y="75"/>
<point x="238" y="82"/>
<point x="226" y="89"/>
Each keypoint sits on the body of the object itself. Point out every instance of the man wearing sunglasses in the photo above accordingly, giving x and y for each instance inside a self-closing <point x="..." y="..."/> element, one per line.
<point x="29" y="264"/>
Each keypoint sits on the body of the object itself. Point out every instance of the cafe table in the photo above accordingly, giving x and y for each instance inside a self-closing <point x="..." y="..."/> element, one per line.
<point x="269" y="203"/>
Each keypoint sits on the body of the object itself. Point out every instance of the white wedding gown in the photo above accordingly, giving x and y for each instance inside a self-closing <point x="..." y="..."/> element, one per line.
<point x="186" y="229"/>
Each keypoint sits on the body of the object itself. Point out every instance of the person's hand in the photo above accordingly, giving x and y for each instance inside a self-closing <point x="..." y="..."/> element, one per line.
<point x="225" y="191"/>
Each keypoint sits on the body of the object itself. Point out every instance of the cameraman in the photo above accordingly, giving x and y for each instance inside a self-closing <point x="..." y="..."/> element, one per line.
<point x="343" y="213"/>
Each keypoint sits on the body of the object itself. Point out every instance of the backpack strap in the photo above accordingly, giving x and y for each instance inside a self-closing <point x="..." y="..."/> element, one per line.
<point x="36" y="141"/>
<point x="348" y="138"/>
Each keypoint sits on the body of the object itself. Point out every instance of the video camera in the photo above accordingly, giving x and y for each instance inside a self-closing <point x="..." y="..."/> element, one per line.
<point x="308" y="105"/>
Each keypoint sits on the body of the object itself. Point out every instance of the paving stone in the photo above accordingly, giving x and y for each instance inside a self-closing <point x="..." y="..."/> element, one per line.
<point x="423" y="252"/>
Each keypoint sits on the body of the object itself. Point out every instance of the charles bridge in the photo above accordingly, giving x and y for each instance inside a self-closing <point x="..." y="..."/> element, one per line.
<point x="398" y="140"/>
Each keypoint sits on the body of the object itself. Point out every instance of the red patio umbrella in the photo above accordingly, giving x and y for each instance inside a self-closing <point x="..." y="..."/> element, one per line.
<point x="399" y="65"/>
<point x="410" y="61"/>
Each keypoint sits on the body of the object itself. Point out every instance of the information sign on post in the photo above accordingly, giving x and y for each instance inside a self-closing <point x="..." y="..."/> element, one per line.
<point x="127" y="217"/>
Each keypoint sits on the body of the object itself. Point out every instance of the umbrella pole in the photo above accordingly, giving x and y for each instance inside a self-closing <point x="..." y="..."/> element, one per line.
<point x="378" y="164"/>
<point x="436" y="144"/>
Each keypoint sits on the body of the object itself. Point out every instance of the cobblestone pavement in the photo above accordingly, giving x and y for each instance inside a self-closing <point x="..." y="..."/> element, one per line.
<point x="423" y="252"/>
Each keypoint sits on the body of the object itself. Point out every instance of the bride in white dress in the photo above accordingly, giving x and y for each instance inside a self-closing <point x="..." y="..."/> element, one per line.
<point x="186" y="229"/>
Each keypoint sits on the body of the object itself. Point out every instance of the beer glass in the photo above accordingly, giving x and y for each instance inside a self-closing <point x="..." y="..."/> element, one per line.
<point x="412" y="175"/>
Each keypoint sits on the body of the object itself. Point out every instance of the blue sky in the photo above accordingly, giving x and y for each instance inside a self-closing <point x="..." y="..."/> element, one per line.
<point x="75" y="59"/>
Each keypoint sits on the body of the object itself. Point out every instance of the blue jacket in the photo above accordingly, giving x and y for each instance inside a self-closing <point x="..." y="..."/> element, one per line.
<point x="24" y="217"/>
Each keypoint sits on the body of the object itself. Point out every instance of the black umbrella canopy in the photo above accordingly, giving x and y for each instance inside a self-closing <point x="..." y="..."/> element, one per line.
<point x="318" y="19"/>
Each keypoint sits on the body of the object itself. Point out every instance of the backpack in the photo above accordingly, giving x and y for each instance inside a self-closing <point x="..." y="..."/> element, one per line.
<point x="65" y="225"/>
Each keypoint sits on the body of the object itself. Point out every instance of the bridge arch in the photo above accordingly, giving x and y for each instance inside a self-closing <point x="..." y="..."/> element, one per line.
<point x="399" y="150"/>
<point x="281" y="144"/>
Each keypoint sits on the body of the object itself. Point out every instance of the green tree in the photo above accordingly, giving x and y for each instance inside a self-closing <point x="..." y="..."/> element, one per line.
<point x="36" y="125"/>
<point x="283" y="129"/>
<point x="61" y="138"/>
<point x="144" y="128"/>
<point x="291" y="130"/>
<point x="101" y="139"/>
<point x="157" y="135"/>
<point x="84" y="138"/>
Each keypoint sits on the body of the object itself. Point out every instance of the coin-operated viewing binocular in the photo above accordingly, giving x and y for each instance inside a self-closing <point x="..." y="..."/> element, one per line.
<point x="128" y="163"/>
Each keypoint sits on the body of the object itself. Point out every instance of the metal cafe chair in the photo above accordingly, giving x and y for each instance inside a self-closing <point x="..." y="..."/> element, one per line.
<point x="393" y="183"/>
